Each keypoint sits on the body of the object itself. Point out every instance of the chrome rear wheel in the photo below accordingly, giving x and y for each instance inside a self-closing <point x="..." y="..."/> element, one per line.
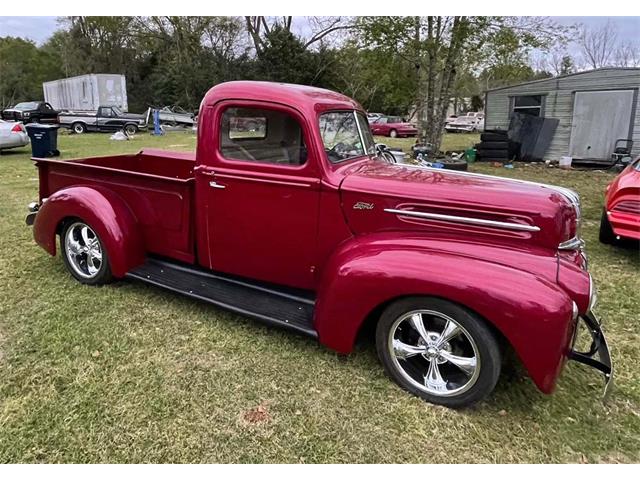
<point x="84" y="253"/>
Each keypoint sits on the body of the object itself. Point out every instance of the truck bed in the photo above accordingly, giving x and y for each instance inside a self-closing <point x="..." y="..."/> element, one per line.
<point x="157" y="185"/>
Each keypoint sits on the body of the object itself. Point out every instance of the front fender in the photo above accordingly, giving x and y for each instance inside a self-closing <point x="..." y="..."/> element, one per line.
<point x="530" y="311"/>
<point x="106" y="213"/>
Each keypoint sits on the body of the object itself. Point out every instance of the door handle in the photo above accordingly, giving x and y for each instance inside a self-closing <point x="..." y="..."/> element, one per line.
<point x="217" y="185"/>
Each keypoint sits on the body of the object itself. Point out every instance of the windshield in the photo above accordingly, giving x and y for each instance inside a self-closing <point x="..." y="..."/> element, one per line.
<point x="117" y="111"/>
<point x="346" y="135"/>
<point x="26" y="106"/>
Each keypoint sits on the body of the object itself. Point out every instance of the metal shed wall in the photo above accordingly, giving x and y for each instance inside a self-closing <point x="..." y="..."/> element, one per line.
<point x="559" y="95"/>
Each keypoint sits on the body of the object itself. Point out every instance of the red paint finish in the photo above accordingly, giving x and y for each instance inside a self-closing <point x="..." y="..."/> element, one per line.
<point x="297" y="226"/>
<point x="622" y="202"/>
<point x="381" y="267"/>
<point x="106" y="213"/>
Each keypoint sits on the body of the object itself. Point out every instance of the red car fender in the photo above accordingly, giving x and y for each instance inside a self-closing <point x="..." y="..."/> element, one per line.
<point x="105" y="212"/>
<point x="622" y="203"/>
<point x="532" y="313"/>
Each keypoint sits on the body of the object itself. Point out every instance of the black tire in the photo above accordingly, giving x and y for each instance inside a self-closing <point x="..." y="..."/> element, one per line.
<point x="78" y="128"/>
<point x="501" y="154"/>
<point x="103" y="274"/>
<point x="453" y="164"/>
<point x="486" y="352"/>
<point x="494" y="137"/>
<point x="393" y="133"/>
<point x="606" y="236"/>
<point x="494" y="145"/>
<point x="130" y="129"/>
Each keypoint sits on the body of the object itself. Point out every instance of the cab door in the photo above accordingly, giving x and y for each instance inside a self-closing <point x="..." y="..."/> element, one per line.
<point x="259" y="186"/>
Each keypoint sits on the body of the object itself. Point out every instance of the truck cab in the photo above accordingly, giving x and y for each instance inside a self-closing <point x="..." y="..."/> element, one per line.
<point x="285" y="214"/>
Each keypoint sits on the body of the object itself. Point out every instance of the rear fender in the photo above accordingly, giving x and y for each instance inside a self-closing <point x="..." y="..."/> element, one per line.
<point x="531" y="312"/>
<point x="105" y="212"/>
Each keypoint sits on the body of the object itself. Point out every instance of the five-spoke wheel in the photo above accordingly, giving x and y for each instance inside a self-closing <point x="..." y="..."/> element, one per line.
<point x="84" y="254"/>
<point x="438" y="351"/>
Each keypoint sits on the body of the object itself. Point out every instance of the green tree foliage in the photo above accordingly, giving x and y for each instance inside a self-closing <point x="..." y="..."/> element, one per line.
<point x="380" y="82"/>
<point x="394" y="65"/>
<point x="442" y="47"/>
<point x="23" y="68"/>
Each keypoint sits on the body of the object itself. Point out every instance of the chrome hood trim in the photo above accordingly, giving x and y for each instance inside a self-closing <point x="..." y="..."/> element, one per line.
<point x="465" y="220"/>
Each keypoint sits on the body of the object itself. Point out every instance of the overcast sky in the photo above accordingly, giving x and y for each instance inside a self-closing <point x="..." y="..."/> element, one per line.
<point x="39" y="29"/>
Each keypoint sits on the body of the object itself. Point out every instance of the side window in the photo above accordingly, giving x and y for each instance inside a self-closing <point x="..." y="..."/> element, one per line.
<point x="105" y="112"/>
<point x="528" y="104"/>
<point x="261" y="135"/>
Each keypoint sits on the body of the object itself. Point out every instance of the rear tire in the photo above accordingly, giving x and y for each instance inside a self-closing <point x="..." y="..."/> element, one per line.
<point x="84" y="254"/>
<point x="130" y="129"/>
<point x="453" y="361"/>
<point x="607" y="236"/>
<point x="79" y="128"/>
<point x="393" y="133"/>
<point x="494" y="137"/>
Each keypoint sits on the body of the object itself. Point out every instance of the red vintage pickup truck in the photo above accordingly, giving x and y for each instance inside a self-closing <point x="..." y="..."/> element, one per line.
<point x="285" y="214"/>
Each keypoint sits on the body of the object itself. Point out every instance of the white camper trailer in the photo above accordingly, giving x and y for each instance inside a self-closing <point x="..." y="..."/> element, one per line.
<point x="87" y="92"/>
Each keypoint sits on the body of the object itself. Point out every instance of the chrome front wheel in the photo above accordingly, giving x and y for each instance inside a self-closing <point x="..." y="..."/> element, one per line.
<point x="84" y="254"/>
<point x="434" y="352"/>
<point x="438" y="351"/>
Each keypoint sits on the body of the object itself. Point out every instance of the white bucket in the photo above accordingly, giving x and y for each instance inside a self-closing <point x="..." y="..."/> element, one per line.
<point x="565" y="162"/>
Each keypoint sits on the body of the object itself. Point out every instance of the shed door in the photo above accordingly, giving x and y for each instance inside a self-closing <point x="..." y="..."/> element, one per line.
<point x="599" y="119"/>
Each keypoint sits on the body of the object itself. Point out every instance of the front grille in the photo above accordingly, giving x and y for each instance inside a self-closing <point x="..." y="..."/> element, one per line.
<point x="627" y="206"/>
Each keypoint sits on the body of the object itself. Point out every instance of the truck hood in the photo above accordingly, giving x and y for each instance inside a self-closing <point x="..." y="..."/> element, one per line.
<point x="378" y="196"/>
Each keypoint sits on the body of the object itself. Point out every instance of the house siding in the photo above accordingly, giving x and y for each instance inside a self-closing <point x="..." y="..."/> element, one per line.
<point x="559" y="95"/>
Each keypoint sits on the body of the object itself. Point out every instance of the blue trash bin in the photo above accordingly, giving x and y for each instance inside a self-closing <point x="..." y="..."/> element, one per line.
<point x="44" y="139"/>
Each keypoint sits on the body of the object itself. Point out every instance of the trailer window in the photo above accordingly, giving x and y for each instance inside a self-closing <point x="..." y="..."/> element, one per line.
<point x="261" y="135"/>
<point x="528" y="104"/>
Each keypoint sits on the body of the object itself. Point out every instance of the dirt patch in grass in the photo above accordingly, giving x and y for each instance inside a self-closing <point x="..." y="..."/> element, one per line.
<point x="257" y="415"/>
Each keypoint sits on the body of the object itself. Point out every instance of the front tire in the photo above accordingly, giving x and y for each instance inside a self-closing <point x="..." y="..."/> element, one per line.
<point x="393" y="133"/>
<point x="84" y="254"/>
<point x="439" y="351"/>
<point x="606" y="236"/>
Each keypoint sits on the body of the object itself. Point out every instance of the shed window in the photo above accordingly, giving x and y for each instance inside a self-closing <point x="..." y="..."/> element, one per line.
<point x="528" y="104"/>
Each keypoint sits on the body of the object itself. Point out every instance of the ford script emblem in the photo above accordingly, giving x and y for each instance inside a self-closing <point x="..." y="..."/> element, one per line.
<point x="363" y="206"/>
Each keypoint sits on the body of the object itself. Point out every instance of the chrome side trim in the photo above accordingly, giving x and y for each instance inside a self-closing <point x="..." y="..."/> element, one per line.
<point x="466" y="220"/>
<point x="593" y="295"/>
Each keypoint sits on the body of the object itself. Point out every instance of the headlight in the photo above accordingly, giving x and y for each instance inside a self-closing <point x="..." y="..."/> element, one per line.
<point x="26" y="114"/>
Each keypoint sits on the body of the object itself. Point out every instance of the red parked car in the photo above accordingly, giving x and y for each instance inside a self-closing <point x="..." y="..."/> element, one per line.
<point x="300" y="225"/>
<point x="621" y="213"/>
<point x="393" y="127"/>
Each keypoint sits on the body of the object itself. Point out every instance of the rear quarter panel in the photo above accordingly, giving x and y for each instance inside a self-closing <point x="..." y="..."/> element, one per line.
<point x="162" y="207"/>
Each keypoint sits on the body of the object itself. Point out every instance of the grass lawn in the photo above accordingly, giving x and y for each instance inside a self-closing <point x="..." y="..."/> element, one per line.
<point x="132" y="373"/>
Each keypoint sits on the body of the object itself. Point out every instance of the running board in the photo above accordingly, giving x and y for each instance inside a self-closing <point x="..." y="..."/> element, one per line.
<point x="281" y="307"/>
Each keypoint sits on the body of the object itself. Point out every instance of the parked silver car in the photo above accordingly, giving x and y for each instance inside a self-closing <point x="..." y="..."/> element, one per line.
<point x="12" y="135"/>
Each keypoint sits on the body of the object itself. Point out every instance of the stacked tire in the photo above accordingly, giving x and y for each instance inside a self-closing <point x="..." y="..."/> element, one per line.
<point x="494" y="147"/>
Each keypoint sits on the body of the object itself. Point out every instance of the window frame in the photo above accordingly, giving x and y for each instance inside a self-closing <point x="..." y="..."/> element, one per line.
<point x="256" y="165"/>
<point x="354" y="112"/>
<point x="541" y="107"/>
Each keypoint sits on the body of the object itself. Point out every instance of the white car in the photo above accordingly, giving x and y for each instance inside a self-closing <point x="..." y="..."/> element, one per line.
<point x="12" y="135"/>
<point x="471" y="122"/>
